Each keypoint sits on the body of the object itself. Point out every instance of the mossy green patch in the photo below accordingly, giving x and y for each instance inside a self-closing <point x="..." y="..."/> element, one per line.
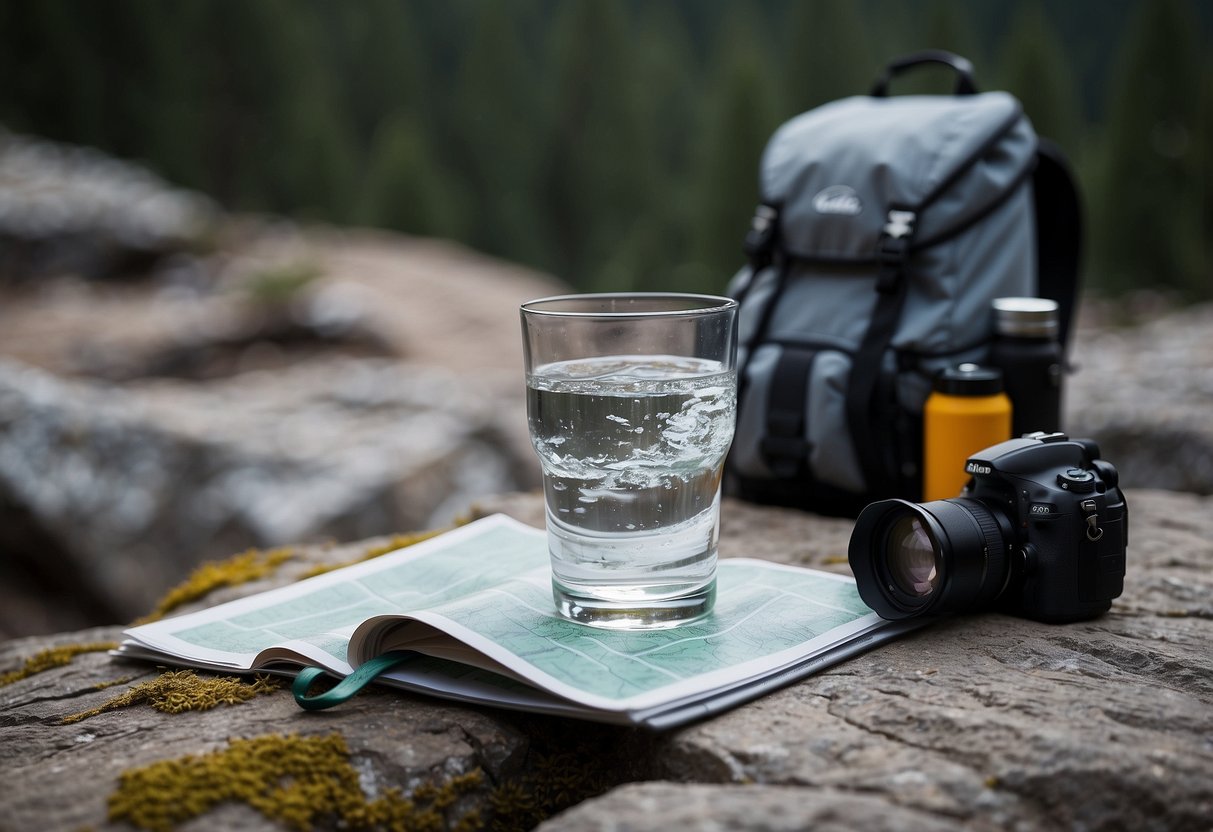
<point x="250" y="565"/>
<point x="53" y="657"/>
<point x="183" y="690"/>
<point x="298" y="781"/>
<point x="282" y="283"/>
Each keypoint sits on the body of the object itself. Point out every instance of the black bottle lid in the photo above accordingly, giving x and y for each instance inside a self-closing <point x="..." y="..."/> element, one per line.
<point x="969" y="380"/>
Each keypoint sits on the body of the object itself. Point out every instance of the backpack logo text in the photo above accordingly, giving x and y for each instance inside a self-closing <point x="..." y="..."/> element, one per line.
<point x="838" y="199"/>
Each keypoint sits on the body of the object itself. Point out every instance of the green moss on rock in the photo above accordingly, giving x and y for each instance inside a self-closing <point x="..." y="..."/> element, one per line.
<point x="183" y="690"/>
<point x="53" y="657"/>
<point x="298" y="781"/>
<point x="250" y="565"/>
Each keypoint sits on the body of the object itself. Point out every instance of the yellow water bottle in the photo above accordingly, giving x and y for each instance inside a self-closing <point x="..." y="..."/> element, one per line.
<point x="966" y="412"/>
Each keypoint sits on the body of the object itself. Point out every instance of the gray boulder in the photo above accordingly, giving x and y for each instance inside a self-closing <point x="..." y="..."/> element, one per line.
<point x="69" y="208"/>
<point x="1145" y="393"/>
<point x="303" y="384"/>
<point x="108" y="496"/>
<point x="979" y="722"/>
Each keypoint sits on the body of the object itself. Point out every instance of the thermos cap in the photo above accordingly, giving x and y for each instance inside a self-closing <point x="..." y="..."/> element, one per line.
<point x="1026" y="317"/>
<point x="969" y="380"/>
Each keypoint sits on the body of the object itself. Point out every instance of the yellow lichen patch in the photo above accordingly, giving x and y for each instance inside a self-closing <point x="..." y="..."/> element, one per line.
<point x="295" y="780"/>
<point x="112" y="683"/>
<point x="183" y="690"/>
<point x="53" y="657"/>
<point x="399" y="541"/>
<point x="250" y="565"/>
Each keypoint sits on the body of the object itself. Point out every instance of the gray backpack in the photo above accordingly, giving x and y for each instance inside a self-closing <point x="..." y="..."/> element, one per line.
<point x="887" y="226"/>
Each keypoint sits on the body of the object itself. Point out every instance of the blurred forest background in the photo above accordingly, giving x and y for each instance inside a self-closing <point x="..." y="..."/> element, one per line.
<point x="613" y="143"/>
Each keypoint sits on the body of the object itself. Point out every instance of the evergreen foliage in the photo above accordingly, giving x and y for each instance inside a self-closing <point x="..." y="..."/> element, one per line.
<point x="1035" y="66"/>
<point x="1148" y="221"/>
<point x="614" y="143"/>
<point x="738" y="122"/>
<point x="827" y="53"/>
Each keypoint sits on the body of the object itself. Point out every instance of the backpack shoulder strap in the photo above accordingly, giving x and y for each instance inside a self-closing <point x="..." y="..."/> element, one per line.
<point x="865" y="423"/>
<point x="1058" y="233"/>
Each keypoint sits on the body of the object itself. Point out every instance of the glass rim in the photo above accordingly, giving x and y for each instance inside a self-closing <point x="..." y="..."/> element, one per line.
<point x="707" y="304"/>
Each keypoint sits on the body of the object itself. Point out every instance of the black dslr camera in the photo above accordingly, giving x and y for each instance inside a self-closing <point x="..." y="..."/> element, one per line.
<point x="1040" y="531"/>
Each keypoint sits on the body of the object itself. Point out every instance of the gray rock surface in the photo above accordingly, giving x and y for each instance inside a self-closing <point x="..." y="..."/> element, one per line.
<point x="981" y="722"/>
<point x="1145" y="392"/>
<point x="301" y="385"/>
<point x="64" y="207"/>
<point x="125" y="490"/>
<point x="758" y="808"/>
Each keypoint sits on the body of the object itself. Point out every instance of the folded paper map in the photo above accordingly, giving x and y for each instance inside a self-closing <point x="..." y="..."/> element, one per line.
<point x="474" y="609"/>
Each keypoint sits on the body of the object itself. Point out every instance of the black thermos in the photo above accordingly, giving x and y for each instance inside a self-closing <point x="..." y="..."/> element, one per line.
<point x="1027" y="350"/>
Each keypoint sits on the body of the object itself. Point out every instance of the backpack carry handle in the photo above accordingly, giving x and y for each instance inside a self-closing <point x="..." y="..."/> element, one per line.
<point x="961" y="66"/>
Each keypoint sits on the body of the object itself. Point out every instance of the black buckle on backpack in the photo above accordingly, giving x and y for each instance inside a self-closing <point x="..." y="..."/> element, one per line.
<point x="899" y="224"/>
<point x="760" y="239"/>
<point x="893" y="248"/>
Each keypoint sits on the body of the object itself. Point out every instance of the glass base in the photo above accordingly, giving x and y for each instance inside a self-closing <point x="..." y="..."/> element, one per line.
<point x="654" y="614"/>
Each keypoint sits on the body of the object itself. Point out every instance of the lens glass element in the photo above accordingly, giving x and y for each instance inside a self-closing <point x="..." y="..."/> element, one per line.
<point x="910" y="555"/>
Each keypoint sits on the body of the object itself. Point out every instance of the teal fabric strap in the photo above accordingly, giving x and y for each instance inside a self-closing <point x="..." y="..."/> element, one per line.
<point x="347" y="687"/>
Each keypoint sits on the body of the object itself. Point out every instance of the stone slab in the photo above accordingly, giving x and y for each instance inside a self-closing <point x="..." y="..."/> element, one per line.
<point x="978" y="722"/>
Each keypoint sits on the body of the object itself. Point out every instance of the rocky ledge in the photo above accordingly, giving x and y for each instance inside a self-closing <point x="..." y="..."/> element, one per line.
<point x="981" y="722"/>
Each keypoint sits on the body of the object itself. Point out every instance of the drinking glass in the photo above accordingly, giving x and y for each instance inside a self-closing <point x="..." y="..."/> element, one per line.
<point x="631" y="403"/>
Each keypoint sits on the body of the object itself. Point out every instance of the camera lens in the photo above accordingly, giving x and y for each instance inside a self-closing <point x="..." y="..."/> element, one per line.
<point x="910" y="557"/>
<point x="943" y="556"/>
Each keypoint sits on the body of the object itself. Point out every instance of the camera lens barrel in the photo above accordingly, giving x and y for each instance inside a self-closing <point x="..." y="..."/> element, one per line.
<point x="916" y="559"/>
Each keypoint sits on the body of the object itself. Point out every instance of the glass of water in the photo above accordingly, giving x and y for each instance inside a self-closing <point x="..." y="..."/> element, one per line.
<point x="631" y="403"/>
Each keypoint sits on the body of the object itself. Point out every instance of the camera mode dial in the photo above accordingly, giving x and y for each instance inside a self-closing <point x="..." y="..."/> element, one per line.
<point x="1077" y="480"/>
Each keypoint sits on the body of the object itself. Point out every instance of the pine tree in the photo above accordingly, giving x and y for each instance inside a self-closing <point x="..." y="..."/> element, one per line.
<point x="1204" y="143"/>
<point x="241" y="71"/>
<point x="52" y="80"/>
<point x="656" y="245"/>
<point x="597" y="169"/>
<point x="378" y="61"/>
<point x="309" y="149"/>
<point x="828" y="54"/>
<point x="894" y="30"/>
<point x="1035" y="68"/>
<point x="739" y="120"/>
<point x="496" y="135"/>
<point x="179" y="106"/>
<point x="405" y="189"/>
<point x="1147" y="214"/>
